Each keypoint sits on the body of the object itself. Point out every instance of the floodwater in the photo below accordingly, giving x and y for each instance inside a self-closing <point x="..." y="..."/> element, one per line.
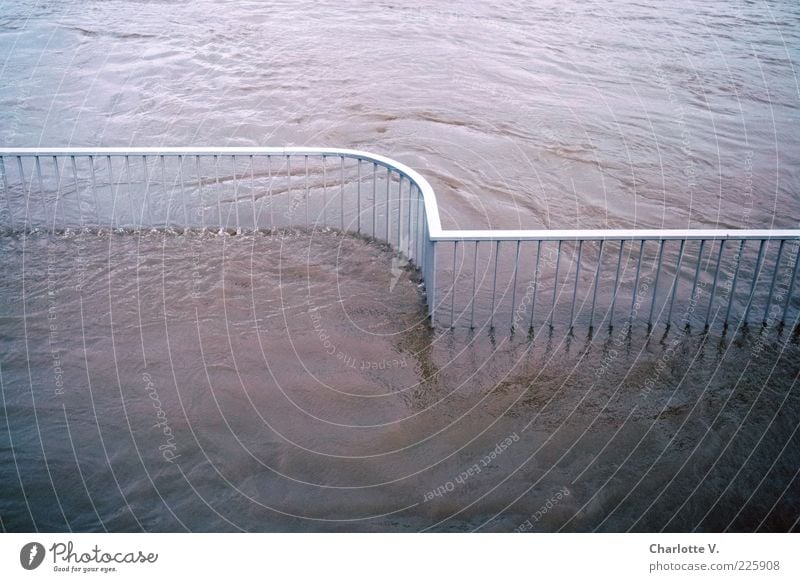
<point x="171" y="381"/>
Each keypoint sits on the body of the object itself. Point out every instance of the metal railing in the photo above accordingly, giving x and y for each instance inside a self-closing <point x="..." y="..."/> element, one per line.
<point x="515" y="279"/>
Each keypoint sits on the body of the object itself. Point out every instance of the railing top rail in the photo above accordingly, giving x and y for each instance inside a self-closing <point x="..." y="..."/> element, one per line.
<point x="618" y="234"/>
<point x="428" y="196"/>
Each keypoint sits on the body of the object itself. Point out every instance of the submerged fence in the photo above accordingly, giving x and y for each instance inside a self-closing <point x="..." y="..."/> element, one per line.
<point x="515" y="280"/>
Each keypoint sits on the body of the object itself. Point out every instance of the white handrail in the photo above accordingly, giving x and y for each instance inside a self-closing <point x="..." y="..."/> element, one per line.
<point x="619" y="234"/>
<point x="425" y="238"/>
<point x="428" y="196"/>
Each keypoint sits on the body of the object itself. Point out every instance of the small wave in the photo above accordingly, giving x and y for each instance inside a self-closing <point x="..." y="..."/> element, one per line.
<point x="110" y="34"/>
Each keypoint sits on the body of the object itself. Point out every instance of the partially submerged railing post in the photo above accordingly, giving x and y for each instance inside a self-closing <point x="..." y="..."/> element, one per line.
<point x="430" y="281"/>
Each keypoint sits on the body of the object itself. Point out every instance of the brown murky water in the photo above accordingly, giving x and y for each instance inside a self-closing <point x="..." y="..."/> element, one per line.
<point x="285" y="381"/>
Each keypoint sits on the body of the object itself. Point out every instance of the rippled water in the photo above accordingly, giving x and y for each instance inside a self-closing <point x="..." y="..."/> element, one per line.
<point x="284" y="382"/>
<point x="557" y="114"/>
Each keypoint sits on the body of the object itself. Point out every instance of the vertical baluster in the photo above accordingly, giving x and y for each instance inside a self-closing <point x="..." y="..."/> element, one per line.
<point x="61" y="171"/>
<point x="374" y="198"/>
<point x="714" y="283"/>
<point x="697" y="271"/>
<point x="200" y="192"/>
<point x="772" y="284"/>
<point x="494" y="283"/>
<point x="358" y="196"/>
<point x="270" y="197"/>
<point x="403" y="219"/>
<point x="26" y="195"/>
<point x="733" y="284"/>
<point x="453" y="290"/>
<point x="341" y="191"/>
<point x="235" y="193"/>
<point x="675" y="282"/>
<point x="409" y="234"/>
<point x="164" y="188"/>
<point x="146" y="175"/>
<point x="408" y="217"/>
<point x="474" y="280"/>
<point x="145" y="204"/>
<point x="555" y="284"/>
<point x="113" y="191"/>
<point x="94" y="190"/>
<point x="636" y="280"/>
<point x="400" y="213"/>
<point x="535" y="281"/>
<point x="78" y="191"/>
<point x="575" y="288"/>
<point x="308" y="221"/>
<point x="791" y="284"/>
<point x="253" y="191"/>
<point x="7" y="193"/>
<point x="596" y="283"/>
<point x="40" y="181"/>
<point x="514" y="289"/>
<point x="58" y="198"/>
<point x="756" y="274"/>
<point x="655" y="284"/>
<point x="289" y="211"/>
<point x="692" y="297"/>
<point x="324" y="192"/>
<point x="616" y="284"/>
<point x="433" y="282"/>
<point x="183" y="192"/>
<point x="412" y="242"/>
<point x="130" y="190"/>
<point x="420" y="211"/>
<point x="388" y="181"/>
<point x="424" y="252"/>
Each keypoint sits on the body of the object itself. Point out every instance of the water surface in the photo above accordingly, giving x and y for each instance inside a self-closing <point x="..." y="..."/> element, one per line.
<point x="168" y="381"/>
